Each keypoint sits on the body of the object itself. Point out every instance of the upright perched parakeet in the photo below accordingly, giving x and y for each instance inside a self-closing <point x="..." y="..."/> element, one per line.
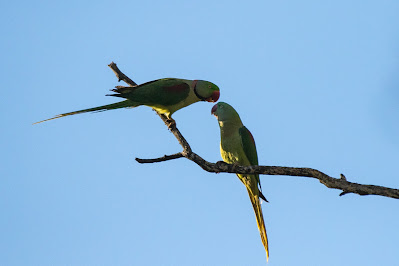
<point x="166" y="96"/>
<point x="237" y="146"/>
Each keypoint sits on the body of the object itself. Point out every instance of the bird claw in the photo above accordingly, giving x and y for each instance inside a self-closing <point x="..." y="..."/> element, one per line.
<point x="170" y="123"/>
<point x="234" y="167"/>
<point x="219" y="164"/>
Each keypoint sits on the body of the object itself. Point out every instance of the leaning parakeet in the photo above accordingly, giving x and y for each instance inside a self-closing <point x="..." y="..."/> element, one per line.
<point x="166" y="96"/>
<point x="237" y="146"/>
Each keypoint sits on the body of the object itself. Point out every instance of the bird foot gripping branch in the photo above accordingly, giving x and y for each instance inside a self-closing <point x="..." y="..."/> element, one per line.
<point x="170" y="123"/>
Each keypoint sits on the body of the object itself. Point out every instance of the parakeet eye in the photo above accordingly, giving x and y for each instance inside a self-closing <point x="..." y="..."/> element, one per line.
<point x="209" y="86"/>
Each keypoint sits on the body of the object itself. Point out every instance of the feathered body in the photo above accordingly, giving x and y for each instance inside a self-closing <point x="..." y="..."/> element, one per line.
<point x="166" y="96"/>
<point x="237" y="146"/>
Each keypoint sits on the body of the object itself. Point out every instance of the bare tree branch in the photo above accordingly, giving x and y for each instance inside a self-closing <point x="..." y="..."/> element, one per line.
<point x="121" y="76"/>
<point x="222" y="167"/>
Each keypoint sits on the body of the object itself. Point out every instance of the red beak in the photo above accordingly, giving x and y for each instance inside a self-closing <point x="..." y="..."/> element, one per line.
<point x="214" y="108"/>
<point x="215" y="97"/>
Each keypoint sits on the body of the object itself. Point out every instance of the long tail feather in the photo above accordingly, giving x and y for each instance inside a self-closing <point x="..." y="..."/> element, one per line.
<point x="259" y="220"/>
<point x="102" y="108"/>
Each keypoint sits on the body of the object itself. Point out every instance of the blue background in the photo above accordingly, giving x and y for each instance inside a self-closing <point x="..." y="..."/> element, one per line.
<point x="316" y="82"/>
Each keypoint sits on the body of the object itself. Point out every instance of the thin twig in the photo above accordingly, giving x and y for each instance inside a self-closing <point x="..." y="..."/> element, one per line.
<point x="121" y="76"/>
<point x="161" y="159"/>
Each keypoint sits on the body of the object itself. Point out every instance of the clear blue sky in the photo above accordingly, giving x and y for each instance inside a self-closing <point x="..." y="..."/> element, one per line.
<point x="315" y="81"/>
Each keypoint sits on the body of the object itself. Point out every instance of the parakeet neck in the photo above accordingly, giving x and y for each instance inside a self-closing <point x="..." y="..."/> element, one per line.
<point x="230" y="126"/>
<point x="194" y="86"/>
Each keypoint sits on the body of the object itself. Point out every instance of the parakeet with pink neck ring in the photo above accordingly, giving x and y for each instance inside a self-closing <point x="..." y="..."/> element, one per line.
<point x="166" y="96"/>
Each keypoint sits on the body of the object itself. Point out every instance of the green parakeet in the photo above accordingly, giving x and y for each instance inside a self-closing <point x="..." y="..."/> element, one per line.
<point x="166" y="96"/>
<point x="237" y="146"/>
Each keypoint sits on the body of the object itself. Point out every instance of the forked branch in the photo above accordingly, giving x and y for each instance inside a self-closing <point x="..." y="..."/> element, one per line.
<point x="222" y="167"/>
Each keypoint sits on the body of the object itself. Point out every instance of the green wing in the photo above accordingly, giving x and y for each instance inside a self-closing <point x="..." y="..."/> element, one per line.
<point x="163" y="92"/>
<point x="248" y="145"/>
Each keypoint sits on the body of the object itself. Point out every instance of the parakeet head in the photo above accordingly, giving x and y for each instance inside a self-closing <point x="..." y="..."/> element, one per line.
<point x="224" y="112"/>
<point x="206" y="91"/>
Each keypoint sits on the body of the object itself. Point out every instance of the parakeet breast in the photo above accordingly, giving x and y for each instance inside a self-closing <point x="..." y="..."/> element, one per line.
<point x="231" y="149"/>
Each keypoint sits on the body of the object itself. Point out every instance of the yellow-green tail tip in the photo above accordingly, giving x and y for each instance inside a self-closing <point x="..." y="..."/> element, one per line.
<point x="55" y="117"/>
